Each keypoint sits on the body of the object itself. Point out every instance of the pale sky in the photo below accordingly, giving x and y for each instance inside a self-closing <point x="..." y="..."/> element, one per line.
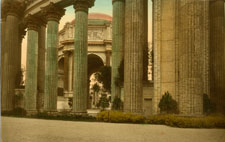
<point x="101" y="6"/>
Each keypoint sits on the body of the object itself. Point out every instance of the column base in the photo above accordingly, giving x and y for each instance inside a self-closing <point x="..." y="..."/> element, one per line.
<point x="78" y="112"/>
<point x="31" y="112"/>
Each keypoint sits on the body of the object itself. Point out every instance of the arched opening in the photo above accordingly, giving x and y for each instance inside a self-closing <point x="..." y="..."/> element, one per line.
<point x="94" y="64"/>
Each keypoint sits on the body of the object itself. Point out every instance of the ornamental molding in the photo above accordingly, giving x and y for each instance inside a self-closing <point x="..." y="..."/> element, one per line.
<point x="117" y="0"/>
<point x="14" y="8"/>
<point x="33" y="22"/>
<point x="83" y="5"/>
<point x="52" y="12"/>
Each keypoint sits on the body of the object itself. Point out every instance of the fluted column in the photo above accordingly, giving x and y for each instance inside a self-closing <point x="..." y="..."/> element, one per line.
<point x="31" y="65"/>
<point x="118" y="31"/>
<point x="3" y="95"/>
<point x="41" y="66"/>
<point x="134" y="44"/>
<point x="12" y="9"/>
<point x="191" y="54"/>
<point x="66" y="71"/>
<point x="53" y="15"/>
<point x="145" y="48"/>
<point x="217" y="54"/>
<point x="80" y="55"/>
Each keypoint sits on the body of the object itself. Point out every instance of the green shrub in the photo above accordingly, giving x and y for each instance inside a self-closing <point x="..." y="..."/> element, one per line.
<point x="188" y="122"/>
<point x="207" y="105"/>
<point x="15" y="112"/>
<point x="120" y="117"/>
<point x="167" y="104"/>
<point x="103" y="102"/>
<point x="117" y="104"/>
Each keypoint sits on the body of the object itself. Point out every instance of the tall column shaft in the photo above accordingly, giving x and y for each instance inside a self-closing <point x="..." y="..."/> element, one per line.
<point x="217" y="54"/>
<point x="31" y="69"/>
<point x="80" y="55"/>
<point x="145" y="48"/>
<point x="53" y="14"/>
<point x="10" y="68"/>
<point x="80" y="62"/>
<point x="3" y="95"/>
<point x="41" y="67"/>
<point x="51" y="75"/>
<point x="191" y="53"/>
<point x="66" y="71"/>
<point x="134" y="44"/>
<point x="118" y="31"/>
<point x="70" y="73"/>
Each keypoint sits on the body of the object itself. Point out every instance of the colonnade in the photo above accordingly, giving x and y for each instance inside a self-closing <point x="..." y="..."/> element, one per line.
<point x="130" y="36"/>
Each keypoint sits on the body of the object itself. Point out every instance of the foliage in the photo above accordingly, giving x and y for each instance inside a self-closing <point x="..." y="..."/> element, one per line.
<point x="65" y="116"/>
<point x="15" y="112"/>
<point x="19" y="79"/>
<point x="96" y="87"/>
<point x="120" y="117"/>
<point x="120" y="79"/>
<point x="167" y="104"/>
<point x="188" y="122"/>
<point x="117" y="104"/>
<point x="104" y="77"/>
<point x="207" y="104"/>
<point x="103" y="102"/>
<point x="70" y="102"/>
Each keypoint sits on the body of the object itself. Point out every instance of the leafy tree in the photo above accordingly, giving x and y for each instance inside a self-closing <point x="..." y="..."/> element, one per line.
<point x="167" y="104"/>
<point x="96" y="87"/>
<point x="117" y="104"/>
<point x="103" y="102"/>
<point x="104" y="77"/>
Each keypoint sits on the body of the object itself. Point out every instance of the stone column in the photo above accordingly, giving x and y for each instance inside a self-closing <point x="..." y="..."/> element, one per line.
<point x="217" y="55"/>
<point x="66" y="71"/>
<point x="80" y="55"/>
<point x="12" y="10"/>
<point x="70" y="72"/>
<point x="31" y="65"/>
<point x="3" y="21"/>
<point x="134" y="44"/>
<point x="145" y="48"/>
<point x="53" y="15"/>
<point x="107" y="54"/>
<point x="41" y="66"/>
<point x="118" y="31"/>
<point x="191" y="53"/>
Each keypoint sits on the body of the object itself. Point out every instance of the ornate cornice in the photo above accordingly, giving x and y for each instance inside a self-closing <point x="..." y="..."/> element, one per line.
<point x="32" y="22"/>
<point x="117" y="0"/>
<point x="53" y="12"/>
<point x="83" y="5"/>
<point x="13" y="7"/>
<point x="22" y="30"/>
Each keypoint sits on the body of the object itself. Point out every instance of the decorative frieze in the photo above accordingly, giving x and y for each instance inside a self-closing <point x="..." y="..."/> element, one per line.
<point x="53" y="12"/>
<point x="83" y="5"/>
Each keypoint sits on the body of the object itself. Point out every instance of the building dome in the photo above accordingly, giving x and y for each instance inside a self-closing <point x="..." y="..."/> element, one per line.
<point x="98" y="16"/>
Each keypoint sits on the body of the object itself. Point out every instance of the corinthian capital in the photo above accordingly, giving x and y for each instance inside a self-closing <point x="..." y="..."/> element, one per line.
<point x="83" y="5"/>
<point x="118" y="0"/>
<point x="13" y="7"/>
<point x="53" y="12"/>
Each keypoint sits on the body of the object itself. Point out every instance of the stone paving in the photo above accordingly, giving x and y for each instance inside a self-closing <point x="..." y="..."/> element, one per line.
<point x="36" y="130"/>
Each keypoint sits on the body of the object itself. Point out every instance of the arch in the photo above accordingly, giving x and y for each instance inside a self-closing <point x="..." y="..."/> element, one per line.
<point x="94" y="63"/>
